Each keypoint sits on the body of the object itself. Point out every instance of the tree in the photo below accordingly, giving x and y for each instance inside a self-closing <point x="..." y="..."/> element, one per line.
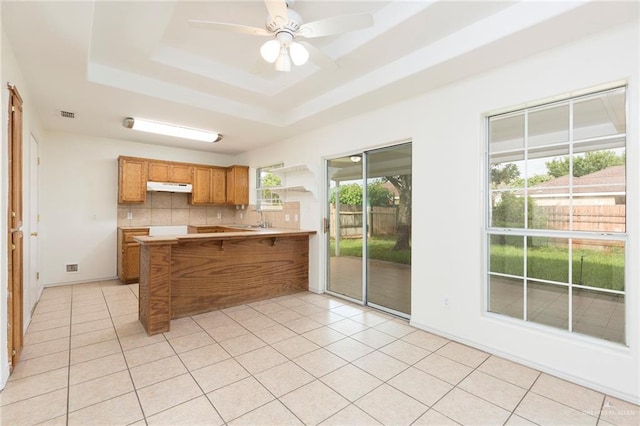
<point x="352" y="195"/>
<point x="584" y="164"/>
<point x="402" y="184"/>
<point x="509" y="213"/>
<point x="269" y="180"/>
<point x="378" y="195"/>
<point x="504" y="173"/>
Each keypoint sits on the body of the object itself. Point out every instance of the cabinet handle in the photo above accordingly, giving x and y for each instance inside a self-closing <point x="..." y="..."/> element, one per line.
<point x="34" y="234"/>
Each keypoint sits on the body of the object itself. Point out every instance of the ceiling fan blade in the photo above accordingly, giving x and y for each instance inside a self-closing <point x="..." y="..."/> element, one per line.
<point x="277" y="10"/>
<point x="223" y="26"/>
<point x="320" y="59"/>
<point x="335" y="25"/>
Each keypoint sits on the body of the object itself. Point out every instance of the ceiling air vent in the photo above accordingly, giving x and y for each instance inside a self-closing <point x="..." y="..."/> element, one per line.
<point x="67" y="114"/>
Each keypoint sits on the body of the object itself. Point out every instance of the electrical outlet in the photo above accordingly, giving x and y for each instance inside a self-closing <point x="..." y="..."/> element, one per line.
<point x="445" y="302"/>
<point x="72" y="267"/>
<point x="219" y="215"/>
<point x="129" y="216"/>
<point x="295" y="217"/>
<point x="287" y="217"/>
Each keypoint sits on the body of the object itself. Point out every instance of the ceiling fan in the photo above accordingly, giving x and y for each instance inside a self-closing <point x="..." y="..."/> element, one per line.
<point x="285" y="25"/>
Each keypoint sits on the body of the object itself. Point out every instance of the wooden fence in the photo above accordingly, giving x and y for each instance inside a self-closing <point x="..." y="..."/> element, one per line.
<point x="382" y="221"/>
<point x="605" y="218"/>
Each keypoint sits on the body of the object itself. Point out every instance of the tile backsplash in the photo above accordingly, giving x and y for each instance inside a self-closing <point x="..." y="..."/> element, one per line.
<point x="167" y="208"/>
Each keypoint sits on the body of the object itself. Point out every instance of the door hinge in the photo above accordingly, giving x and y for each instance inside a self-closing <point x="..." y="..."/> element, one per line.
<point x="38" y="218"/>
<point x="37" y="275"/>
<point x="13" y="352"/>
<point x="38" y="161"/>
<point x="13" y="109"/>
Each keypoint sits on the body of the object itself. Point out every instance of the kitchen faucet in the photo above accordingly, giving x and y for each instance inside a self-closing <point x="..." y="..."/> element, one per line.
<point x="262" y="223"/>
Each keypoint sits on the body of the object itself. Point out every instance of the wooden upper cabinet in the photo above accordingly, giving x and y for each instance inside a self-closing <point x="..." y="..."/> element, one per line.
<point x="132" y="180"/>
<point x="238" y="185"/>
<point x="201" y="193"/>
<point x="158" y="171"/>
<point x="211" y="184"/>
<point x="208" y="185"/>
<point x="180" y="173"/>
<point x="164" y="171"/>
<point x="218" y="185"/>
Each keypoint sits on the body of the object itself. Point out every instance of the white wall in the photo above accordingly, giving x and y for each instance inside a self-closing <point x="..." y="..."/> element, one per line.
<point x="447" y="130"/>
<point x="78" y="202"/>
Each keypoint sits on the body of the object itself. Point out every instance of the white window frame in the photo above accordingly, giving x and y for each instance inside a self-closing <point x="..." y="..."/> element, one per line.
<point x="526" y="232"/>
<point x="276" y="203"/>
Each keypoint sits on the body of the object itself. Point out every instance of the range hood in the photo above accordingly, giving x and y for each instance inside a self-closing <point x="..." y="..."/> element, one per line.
<point x="169" y="187"/>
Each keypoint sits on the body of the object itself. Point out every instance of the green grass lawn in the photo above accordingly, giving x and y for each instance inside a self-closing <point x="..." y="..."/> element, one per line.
<point x="379" y="249"/>
<point x="594" y="268"/>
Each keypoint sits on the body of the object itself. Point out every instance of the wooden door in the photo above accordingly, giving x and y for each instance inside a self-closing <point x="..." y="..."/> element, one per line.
<point x="15" y="258"/>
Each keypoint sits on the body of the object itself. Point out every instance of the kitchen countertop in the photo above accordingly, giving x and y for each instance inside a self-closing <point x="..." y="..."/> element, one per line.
<point x="242" y="233"/>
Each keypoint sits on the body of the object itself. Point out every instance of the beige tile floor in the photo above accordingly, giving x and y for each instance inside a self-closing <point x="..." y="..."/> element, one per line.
<point x="303" y="359"/>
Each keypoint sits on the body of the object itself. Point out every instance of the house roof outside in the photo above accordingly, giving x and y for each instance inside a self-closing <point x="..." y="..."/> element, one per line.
<point x="609" y="180"/>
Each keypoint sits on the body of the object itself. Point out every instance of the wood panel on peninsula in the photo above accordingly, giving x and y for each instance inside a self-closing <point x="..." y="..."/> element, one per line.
<point x="195" y="273"/>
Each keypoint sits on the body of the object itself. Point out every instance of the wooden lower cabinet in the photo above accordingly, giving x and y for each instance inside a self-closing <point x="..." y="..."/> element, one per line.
<point x="208" y="229"/>
<point x="129" y="254"/>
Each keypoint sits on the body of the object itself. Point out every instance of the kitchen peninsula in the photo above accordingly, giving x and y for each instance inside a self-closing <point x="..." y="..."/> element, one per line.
<point x="182" y="275"/>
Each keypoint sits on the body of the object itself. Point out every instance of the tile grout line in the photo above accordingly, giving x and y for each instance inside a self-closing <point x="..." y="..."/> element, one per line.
<point x="144" y="418"/>
<point x="69" y="360"/>
<point x="326" y="309"/>
<point x="191" y="374"/>
<point x="524" y="396"/>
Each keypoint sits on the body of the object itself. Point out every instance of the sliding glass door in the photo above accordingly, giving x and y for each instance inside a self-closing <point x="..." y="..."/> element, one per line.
<point x="369" y="218"/>
<point x="345" y="223"/>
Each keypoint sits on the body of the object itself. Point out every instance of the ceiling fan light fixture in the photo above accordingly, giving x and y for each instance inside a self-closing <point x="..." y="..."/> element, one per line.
<point x="299" y="54"/>
<point x="170" y="130"/>
<point x="270" y="51"/>
<point x="283" y="63"/>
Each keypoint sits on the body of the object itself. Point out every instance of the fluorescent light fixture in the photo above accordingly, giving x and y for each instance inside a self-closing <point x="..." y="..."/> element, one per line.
<point x="170" y="130"/>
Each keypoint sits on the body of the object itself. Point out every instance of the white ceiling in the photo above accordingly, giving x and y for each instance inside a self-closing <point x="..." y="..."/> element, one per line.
<point x="108" y="60"/>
